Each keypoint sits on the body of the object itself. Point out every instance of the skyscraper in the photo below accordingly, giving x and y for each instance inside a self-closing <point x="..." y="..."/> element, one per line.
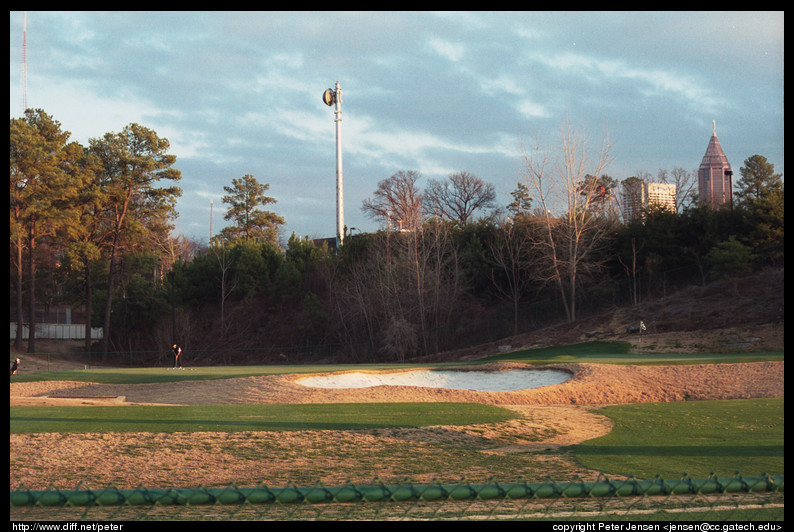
<point x="639" y="197"/>
<point x="715" y="183"/>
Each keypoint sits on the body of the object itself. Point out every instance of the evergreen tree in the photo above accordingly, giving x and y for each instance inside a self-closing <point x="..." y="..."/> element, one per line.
<point x="244" y="197"/>
<point x="761" y="203"/>
<point x="522" y="201"/>
<point x="729" y="258"/>
<point x="42" y="191"/>
<point x="758" y="179"/>
<point x="133" y="162"/>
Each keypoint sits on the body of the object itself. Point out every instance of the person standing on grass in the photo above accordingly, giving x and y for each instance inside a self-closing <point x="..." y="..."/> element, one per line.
<point x="15" y="367"/>
<point x="177" y="356"/>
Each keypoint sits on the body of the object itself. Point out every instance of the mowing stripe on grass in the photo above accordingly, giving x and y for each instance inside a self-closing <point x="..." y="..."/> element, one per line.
<point x="696" y="438"/>
<point x="620" y="353"/>
<point x="241" y="418"/>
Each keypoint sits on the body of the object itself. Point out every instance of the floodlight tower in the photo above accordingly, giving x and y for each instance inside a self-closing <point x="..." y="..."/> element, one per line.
<point x="334" y="97"/>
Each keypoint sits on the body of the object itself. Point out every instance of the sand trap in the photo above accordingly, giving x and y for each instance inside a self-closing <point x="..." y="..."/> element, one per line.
<point x="484" y="381"/>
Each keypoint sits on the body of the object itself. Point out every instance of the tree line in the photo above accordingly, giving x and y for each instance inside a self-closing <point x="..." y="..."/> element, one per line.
<point x="91" y="228"/>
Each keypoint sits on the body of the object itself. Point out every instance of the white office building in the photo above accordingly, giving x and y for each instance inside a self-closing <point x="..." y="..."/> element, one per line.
<point x="639" y="197"/>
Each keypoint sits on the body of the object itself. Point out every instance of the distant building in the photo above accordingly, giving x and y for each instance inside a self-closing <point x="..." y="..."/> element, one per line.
<point x="639" y="197"/>
<point x="715" y="183"/>
<point x="661" y="195"/>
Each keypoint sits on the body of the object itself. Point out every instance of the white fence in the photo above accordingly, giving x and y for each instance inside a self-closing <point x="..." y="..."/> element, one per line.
<point x="58" y="331"/>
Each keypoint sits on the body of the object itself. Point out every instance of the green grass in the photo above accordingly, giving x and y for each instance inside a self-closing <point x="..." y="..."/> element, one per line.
<point x="591" y="352"/>
<point x="693" y="438"/>
<point x="666" y="439"/>
<point x="670" y="439"/>
<point x="620" y="353"/>
<point x="239" y="418"/>
<point x="199" y="373"/>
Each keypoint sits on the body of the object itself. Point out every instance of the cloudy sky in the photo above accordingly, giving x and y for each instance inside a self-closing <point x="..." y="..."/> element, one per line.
<point x="241" y="93"/>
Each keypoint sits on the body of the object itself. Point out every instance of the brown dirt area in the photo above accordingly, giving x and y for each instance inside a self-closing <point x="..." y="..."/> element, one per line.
<point x="739" y="316"/>
<point x="590" y="384"/>
<point x="551" y="417"/>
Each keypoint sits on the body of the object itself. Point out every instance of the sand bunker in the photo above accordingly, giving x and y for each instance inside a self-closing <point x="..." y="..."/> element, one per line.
<point x="484" y="381"/>
<point x="589" y="384"/>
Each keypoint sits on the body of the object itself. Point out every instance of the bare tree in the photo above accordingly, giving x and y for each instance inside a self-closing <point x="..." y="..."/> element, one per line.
<point x="399" y="339"/>
<point x="227" y="285"/>
<point x="511" y="252"/>
<point x="459" y="197"/>
<point x="439" y="281"/>
<point x="403" y="290"/>
<point x="397" y="202"/>
<point x="685" y="183"/>
<point x="558" y="180"/>
<point x="355" y="300"/>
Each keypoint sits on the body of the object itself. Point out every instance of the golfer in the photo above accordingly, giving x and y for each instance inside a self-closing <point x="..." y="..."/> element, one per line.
<point x="177" y="356"/>
<point x="15" y="367"/>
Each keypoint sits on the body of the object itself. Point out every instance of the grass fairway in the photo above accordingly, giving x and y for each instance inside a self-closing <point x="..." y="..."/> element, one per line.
<point x="240" y="418"/>
<point x="620" y="353"/>
<point x="696" y="438"/>
<point x="590" y="352"/>
<point x="200" y="373"/>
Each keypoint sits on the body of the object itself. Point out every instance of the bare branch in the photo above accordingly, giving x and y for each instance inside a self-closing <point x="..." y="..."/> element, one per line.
<point x="397" y="202"/>
<point x="459" y="197"/>
<point x="572" y="238"/>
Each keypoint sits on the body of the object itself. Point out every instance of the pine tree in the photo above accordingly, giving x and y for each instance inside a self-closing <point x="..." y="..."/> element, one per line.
<point x="250" y="223"/>
<point x="42" y="193"/>
<point x="133" y="162"/>
<point x="758" y="179"/>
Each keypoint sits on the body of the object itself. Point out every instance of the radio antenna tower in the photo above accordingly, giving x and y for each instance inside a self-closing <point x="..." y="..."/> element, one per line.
<point x="334" y="97"/>
<point x="24" y="80"/>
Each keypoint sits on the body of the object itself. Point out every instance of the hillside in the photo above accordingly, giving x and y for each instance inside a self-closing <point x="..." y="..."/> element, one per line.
<point x="744" y="314"/>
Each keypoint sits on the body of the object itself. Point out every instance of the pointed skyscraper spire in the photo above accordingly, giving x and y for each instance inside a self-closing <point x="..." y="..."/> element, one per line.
<point x="714" y="175"/>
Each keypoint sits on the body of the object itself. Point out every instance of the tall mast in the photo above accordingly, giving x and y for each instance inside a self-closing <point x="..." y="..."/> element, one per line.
<point x="340" y="204"/>
<point x="334" y="97"/>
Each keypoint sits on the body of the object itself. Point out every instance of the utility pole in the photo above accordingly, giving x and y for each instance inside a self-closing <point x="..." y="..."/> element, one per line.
<point x="334" y="97"/>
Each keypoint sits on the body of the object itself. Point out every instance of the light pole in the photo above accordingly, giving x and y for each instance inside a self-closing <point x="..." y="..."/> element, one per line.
<point x="334" y="97"/>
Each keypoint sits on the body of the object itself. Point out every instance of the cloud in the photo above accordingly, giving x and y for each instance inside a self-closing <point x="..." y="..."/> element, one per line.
<point x="501" y="84"/>
<point x="86" y="113"/>
<point x="449" y="50"/>
<point x="533" y="110"/>
<point x="239" y="92"/>
<point x="598" y="72"/>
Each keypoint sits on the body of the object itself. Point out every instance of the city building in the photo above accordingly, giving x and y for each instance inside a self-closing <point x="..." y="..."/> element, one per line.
<point x="715" y="183"/>
<point x="639" y="197"/>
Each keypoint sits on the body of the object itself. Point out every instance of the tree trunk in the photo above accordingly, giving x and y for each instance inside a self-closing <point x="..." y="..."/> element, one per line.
<point x="20" y="310"/>
<point x="89" y="306"/>
<point x="109" y="300"/>
<point x="31" y="293"/>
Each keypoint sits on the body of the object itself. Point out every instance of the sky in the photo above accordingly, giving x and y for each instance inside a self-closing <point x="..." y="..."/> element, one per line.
<point x="239" y="93"/>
